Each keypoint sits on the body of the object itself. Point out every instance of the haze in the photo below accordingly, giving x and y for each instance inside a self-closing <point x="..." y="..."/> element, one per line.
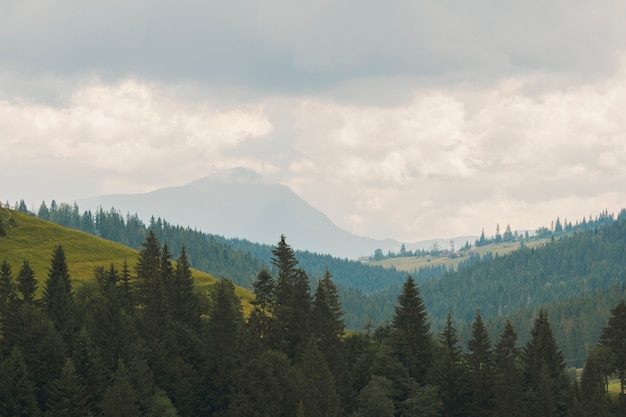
<point x="404" y="119"/>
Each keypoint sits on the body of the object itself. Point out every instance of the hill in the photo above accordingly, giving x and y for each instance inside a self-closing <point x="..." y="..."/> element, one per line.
<point x="33" y="239"/>
<point x="239" y="203"/>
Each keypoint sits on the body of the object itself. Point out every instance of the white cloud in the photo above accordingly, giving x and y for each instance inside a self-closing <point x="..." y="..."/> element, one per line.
<point x="126" y="129"/>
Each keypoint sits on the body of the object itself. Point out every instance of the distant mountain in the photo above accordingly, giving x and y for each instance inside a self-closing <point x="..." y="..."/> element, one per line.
<point x="239" y="203"/>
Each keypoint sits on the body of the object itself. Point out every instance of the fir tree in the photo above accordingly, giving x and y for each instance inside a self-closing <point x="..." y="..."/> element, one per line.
<point x="613" y="337"/>
<point x="17" y="390"/>
<point x="26" y="282"/>
<point x="8" y="294"/>
<point x="120" y="398"/>
<point x="58" y="298"/>
<point x="509" y="377"/>
<point x="413" y="338"/>
<point x="67" y="394"/>
<point x="480" y="369"/>
<point x="547" y="386"/>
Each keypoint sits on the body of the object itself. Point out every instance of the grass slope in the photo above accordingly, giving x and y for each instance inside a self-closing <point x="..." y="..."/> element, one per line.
<point x="413" y="263"/>
<point x="33" y="239"/>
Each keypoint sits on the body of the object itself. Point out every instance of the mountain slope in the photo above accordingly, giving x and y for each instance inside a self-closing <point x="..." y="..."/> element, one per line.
<point x="239" y="203"/>
<point x="33" y="239"/>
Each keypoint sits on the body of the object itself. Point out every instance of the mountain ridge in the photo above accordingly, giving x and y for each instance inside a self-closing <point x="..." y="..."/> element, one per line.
<point x="240" y="203"/>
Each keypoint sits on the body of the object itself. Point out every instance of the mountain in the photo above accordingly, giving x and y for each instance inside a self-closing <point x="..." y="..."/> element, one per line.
<point x="239" y="203"/>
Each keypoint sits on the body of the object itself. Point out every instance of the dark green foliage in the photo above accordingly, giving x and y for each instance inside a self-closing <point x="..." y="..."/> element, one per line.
<point x="26" y="282"/>
<point x="67" y="396"/>
<point x="614" y="337"/>
<point x="413" y="338"/>
<point x="448" y="372"/>
<point x="90" y="369"/>
<point x="8" y="294"/>
<point x="318" y="394"/>
<point x="120" y="398"/>
<point x="593" y="395"/>
<point x="17" y="390"/>
<point x="374" y="400"/>
<point x="480" y="375"/>
<point x="547" y="386"/>
<point x="58" y="298"/>
<point x="265" y="387"/>
<point x="422" y="402"/>
<point x="509" y="375"/>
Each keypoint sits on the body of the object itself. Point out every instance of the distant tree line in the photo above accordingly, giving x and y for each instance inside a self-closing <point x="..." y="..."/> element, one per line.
<point x="145" y="342"/>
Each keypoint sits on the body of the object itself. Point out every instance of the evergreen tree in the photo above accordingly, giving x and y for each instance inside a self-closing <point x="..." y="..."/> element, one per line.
<point x="593" y="393"/>
<point x="8" y="295"/>
<point x="448" y="372"/>
<point x="26" y="282"/>
<point x="148" y="268"/>
<point x="90" y="369"/>
<point x="293" y="299"/>
<point x="261" y="323"/>
<point x="327" y="325"/>
<point x="509" y="376"/>
<point x="374" y="400"/>
<point x="412" y="330"/>
<point x="17" y="390"/>
<point x="120" y="398"/>
<point x="58" y="298"/>
<point x="613" y="337"/>
<point x="185" y="303"/>
<point x="547" y="386"/>
<point x="265" y="387"/>
<point x="67" y="394"/>
<point x="317" y="390"/>
<point x="480" y="369"/>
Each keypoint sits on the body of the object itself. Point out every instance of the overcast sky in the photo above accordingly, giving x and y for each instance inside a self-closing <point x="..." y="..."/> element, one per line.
<point x="405" y="119"/>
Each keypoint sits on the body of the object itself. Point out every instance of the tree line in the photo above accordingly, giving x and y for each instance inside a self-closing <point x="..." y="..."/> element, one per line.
<point x="145" y="342"/>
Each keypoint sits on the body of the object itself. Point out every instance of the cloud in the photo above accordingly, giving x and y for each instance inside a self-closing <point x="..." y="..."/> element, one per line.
<point x="281" y="47"/>
<point x="126" y="129"/>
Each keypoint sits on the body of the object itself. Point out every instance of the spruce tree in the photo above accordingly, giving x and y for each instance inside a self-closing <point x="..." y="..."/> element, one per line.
<point x="120" y="398"/>
<point x="593" y="393"/>
<point x="479" y="360"/>
<point x="448" y="372"/>
<point x="8" y="294"/>
<point x="185" y="303"/>
<point x="318" y="392"/>
<point x="547" y="387"/>
<point x="261" y="324"/>
<point x="26" y="282"/>
<point x="509" y="376"/>
<point x="58" y="298"/>
<point x="67" y="396"/>
<point x="17" y="390"/>
<point x="613" y="336"/>
<point x="412" y="331"/>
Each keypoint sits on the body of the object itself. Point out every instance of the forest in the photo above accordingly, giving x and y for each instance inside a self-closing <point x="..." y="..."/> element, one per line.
<point x="143" y="341"/>
<point x="577" y="276"/>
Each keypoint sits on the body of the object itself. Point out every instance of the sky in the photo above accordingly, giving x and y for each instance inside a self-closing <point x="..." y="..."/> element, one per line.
<point x="405" y="119"/>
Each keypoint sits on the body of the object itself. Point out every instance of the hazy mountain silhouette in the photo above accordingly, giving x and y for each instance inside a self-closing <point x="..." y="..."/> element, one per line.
<point x="239" y="203"/>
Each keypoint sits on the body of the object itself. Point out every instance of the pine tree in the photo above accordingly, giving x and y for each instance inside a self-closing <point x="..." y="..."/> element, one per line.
<point x="120" y="398"/>
<point x="613" y="337"/>
<point x="90" y="369"/>
<point x="509" y="377"/>
<point x="58" y="298"/>
<point x="327" y="316"/>
<point x="547" y="386"/>
<point x="262" y="322"/>
<point x="17" y="390"/>
<point x="593" y="393"/>
<point x="448" y="372"/>
<point x="8" y="294"/>
<point x="184" y="302"/>
<point x="67" y="394"/>
<point x="412" y="330"/>
<point x="317" y="389"/>
<point x="480" y="369"/>
<point x="26" y="282"/>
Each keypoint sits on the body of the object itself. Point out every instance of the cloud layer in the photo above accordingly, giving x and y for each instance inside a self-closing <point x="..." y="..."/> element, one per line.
<point x="410" y="120"/>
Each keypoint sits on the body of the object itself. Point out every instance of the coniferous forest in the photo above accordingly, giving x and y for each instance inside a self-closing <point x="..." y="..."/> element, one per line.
<point x="142" y="341"/>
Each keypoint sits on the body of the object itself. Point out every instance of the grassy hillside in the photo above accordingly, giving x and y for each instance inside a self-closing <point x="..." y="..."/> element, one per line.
<point x="33" y="239"/>
<point x="414" y="263"/>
